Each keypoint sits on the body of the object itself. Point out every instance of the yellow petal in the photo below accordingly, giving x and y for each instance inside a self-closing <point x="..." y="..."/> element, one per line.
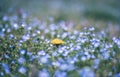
<point x="57" y="41"/>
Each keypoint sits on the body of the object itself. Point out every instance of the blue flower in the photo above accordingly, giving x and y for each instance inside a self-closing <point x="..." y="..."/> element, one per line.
<point x="21" y="60"/>
<point x="6" y="68"/>
<point x="22" y="51"/>
<point x="22" y="70"/>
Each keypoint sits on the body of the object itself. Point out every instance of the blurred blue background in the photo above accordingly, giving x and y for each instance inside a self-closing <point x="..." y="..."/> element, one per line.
<point x="104" y="14"/>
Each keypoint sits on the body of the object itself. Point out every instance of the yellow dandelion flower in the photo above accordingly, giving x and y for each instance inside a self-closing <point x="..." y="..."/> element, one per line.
<point x="57" y="41"/>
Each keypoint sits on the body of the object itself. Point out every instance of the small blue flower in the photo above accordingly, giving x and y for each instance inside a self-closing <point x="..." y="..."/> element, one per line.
<point x="1" y="74"/>
<point x="60" y="74"/>
<point x="41" y="53"/>
<point x="6" y="56"/>
<point x="11" y="36"/>
<point x="96" y="63"/>
<point x="22" y="51"/>
<point x="29" y="53"/>
<point x="2" y="34"/>
<point x="117" y="75"/>
<point x="6" y="68"/>
<point x="22" y="70"/>
<point x="86" y="72"/>
<point x="21" y="60"/>
<point x="43" y="73"/>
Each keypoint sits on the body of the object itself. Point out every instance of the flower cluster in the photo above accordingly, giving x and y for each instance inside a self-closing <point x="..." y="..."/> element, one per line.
<point x="27" y="50"/>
